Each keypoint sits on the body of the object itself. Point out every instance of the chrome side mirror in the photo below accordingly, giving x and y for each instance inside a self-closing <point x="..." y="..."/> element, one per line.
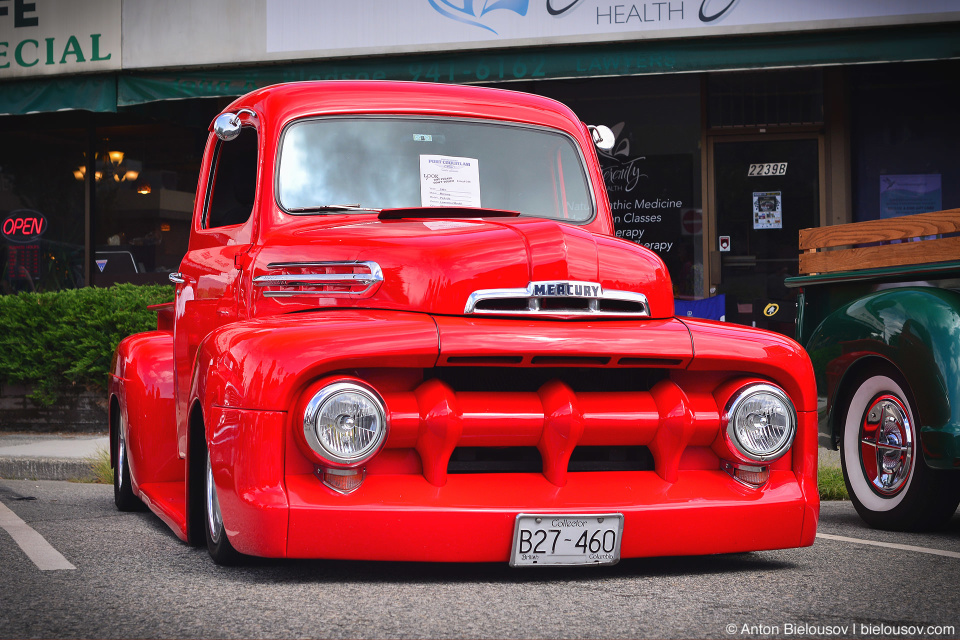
<point x="227" y="125"/>
<point x="602" y="136"/>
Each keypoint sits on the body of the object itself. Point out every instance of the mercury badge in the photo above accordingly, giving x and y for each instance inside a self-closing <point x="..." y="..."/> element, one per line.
<point x="565" y="289"/>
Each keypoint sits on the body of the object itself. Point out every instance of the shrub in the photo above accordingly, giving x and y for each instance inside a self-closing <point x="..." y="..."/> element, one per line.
<point x="63" y="338"/>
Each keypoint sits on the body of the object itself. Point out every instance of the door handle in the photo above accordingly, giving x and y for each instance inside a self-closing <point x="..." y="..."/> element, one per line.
<point x="177" y="278"/>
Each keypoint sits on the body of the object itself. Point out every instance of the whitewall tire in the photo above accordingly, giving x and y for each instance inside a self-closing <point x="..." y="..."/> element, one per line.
<point x="889" y="483"/>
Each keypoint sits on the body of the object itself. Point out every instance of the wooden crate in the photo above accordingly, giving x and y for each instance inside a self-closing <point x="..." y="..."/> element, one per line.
<point x="832" y="249"/>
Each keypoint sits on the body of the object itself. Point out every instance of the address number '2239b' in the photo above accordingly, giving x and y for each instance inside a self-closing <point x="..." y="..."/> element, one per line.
<point x="545" y="539"/>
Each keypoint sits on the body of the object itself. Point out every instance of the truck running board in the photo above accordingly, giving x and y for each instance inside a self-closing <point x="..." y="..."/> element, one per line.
<point x="168" y="500"/>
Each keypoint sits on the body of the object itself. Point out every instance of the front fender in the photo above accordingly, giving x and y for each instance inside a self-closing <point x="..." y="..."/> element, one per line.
<point x="141" y="380"/>
<point x="720" y="346"/>
<point x="917" y="330"/>
<point x="262" y="364"/>
<point x="248" y="376"/>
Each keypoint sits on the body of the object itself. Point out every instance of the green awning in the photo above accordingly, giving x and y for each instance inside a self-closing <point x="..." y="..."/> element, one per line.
<point x="559" y="62"/>
<point x="86" y="93"/>
<point x="802" y="49"/>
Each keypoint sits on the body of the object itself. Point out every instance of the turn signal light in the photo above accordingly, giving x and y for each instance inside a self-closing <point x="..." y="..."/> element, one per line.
<point x="341" y="480"/>
<point x="753" y="477"/>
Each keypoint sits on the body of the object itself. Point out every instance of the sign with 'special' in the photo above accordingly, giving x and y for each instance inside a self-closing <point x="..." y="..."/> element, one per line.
<point x="23" y="226"/>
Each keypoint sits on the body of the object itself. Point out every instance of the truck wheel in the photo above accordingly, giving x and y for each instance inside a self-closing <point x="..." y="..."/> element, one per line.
<point x="218" y="544"/>
<point x="123" y="495"/>
<point x="889" y="483"/>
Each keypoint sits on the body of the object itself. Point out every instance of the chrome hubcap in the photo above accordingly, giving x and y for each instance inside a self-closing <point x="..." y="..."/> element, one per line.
<point x="886" y="445"/>
<point x="214" y="518"/>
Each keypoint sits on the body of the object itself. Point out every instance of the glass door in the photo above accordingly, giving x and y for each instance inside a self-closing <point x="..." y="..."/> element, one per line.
<point x="765" y="191"/>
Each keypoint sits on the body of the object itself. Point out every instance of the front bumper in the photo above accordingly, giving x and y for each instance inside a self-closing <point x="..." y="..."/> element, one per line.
<point x="471" y="519"/>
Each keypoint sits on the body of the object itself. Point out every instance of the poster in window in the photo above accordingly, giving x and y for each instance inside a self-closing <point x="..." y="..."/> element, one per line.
<point x="905" y="195"/>
<point x="767" y="210"/>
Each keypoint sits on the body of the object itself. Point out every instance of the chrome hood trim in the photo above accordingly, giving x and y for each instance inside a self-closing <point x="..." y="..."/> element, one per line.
<point x="560" y="298"/>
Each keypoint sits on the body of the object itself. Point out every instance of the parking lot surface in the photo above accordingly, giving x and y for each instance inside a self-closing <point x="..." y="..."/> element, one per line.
<point x="131" y="577"/>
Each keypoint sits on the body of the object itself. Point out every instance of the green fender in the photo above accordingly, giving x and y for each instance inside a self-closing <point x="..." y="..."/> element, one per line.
<point x="917" y="330"/>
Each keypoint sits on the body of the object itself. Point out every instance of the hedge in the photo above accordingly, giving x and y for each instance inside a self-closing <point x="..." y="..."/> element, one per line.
<point x="53" y="340"/>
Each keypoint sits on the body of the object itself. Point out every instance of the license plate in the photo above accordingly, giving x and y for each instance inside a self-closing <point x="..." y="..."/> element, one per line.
<point x="545" y="539"/>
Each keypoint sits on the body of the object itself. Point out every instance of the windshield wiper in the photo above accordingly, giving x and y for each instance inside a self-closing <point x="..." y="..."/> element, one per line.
<point x="331" y="207"/>
<point x="444" y="212"/>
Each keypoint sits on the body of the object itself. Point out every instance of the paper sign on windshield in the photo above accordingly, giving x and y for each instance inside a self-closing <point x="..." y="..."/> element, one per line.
<point x="448" y="181"/>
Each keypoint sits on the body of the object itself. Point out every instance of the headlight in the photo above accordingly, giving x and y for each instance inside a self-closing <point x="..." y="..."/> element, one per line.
<point x="345" y="423"/>
<point x="760" y="422"/>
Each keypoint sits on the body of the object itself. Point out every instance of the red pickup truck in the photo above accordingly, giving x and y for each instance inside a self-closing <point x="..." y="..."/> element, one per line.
<point x="403" y="330"/>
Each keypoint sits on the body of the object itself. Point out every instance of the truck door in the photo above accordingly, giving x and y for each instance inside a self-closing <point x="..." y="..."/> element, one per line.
<point x="209" y="281"/>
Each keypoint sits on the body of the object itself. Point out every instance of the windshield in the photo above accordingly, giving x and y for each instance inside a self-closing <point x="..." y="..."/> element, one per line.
<point x="342" y="164"/>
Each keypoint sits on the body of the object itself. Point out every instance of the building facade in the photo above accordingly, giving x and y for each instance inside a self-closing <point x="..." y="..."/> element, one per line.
<point x="737" y="122"/>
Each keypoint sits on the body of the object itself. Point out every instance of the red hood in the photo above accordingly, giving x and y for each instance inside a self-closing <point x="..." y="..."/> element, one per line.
<point x="434" y="265"/>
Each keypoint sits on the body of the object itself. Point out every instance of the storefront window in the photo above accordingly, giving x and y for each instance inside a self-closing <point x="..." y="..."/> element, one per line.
<point x="146" y="178"/>
<point x="652" y="173"/>
<point x="41" y="208"/>
<point x="904" y="136"/>
<point x="765" y="98"/>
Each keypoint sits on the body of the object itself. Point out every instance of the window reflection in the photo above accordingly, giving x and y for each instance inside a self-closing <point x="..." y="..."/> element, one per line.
<point x="41" y="211"/>
<point x="145" y="180"/>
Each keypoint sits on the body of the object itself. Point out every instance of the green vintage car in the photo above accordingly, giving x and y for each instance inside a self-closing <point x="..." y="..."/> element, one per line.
<point x="881" y="322"/>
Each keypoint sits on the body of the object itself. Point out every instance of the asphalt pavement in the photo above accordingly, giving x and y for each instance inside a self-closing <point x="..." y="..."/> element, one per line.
<point x="129" y="576"/>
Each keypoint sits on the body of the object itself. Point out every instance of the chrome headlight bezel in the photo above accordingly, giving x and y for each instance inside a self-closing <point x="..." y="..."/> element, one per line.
<point x="731" y="416"/>
<point x="328" y="394"/>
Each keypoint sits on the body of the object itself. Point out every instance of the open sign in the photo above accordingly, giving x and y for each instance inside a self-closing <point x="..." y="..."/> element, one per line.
<point x="24" y="226"/>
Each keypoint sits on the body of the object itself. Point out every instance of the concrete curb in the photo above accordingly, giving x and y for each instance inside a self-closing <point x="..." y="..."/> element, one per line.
<point x="17" y="468"/>
<point x="827" y="458"/>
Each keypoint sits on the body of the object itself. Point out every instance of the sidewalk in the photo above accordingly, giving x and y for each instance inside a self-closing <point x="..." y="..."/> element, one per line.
<point x="33" y="456"/>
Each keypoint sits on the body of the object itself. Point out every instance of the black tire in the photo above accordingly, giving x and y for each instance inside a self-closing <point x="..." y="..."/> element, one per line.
<point x="123" y="495"/>
<point x="218" y="544"/>
<point x="889" y="483"/>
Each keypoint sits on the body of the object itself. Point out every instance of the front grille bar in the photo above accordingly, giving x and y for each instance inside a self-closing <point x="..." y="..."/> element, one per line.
<point x="435" y="420"/>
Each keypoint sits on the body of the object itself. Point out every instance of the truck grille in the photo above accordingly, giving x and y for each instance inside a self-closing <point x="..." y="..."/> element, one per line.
<point x="529" y="460"/>
<point x="550" y="420"/>
<point x="530" y="379"/>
